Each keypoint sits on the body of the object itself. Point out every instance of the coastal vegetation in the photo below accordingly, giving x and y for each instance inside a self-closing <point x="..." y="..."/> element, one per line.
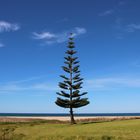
<point x="56" y="130"/>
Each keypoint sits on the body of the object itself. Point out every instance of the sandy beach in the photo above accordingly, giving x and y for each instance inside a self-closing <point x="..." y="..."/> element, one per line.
<point x="62" y="118"/>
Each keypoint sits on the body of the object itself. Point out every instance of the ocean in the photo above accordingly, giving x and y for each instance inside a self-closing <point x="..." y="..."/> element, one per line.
<point x="63" y="114"/>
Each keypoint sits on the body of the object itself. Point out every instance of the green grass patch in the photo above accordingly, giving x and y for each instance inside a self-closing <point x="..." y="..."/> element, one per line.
<point x="47" y="130"/>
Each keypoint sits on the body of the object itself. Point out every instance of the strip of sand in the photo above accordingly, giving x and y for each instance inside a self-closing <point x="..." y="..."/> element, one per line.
<point x="66" y="118"/>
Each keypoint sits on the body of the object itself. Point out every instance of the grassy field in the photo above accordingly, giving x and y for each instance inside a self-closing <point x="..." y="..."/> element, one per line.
<point x="113" y="130"/>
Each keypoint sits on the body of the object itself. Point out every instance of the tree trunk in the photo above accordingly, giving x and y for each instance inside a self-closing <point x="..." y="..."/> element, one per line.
<point x="71" y="109"/>
<point x="72" y="116"/>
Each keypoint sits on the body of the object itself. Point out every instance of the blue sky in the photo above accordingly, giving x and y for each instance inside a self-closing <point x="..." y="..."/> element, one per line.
<point x="33" y="39"/>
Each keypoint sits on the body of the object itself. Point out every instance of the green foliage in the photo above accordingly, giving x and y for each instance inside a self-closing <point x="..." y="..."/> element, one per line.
<point x="66" y="69"/>
<point x="76" y="77"/>
<point x="71" y="52"/>
<point x="64" y="94"/>
<point x="63" y="76"/>
<point x="63" y="85"/>
<point x="72" y="82"/>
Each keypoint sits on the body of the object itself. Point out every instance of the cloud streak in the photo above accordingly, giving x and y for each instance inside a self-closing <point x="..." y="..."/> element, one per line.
<point x="44" y="35"/>
<point x="110" y="83"/>
<point x="79" y="31"/>
<point x="123" y="28"/>
<point x="29" y="84"/>
<point x="132" y="27"/>
<point x="107" y="12"/>
<point x="27" y="80"/>
<point x="50" y="38"/>
<point x="16" y="88"/>
<point x="98" y="84"/>
<point x="1" y="45"/>
<point x="7" y="26"/>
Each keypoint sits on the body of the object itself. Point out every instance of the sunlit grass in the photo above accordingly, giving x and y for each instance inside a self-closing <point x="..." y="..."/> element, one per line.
<point x="113" y="130"/>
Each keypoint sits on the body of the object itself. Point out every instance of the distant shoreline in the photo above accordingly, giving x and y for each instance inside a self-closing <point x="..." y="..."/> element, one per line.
<point x="7" y="117"/>
<point x="67" y="115"/>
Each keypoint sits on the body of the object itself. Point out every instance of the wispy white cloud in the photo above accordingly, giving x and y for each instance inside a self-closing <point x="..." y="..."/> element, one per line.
<point x="114" y="9"/>
<point x="11" y="87"/>
<point x="7" y="26"/>
<point x="79" y="31"/>
<point x="28" y="79"/>
<point x="50" y="38"/>
<point x="107" y="12"/>
<point x="132" y="27"/>
<point x="35" y="83"/>
<point x="45" y="86"/>
<point x="31" y="87"/>
<point x="123" y="29"/>
<point x="112" y="83"/>
<point x="44" y="35"/>
<point x="1" y="45"/>
<point x="97" y="84"/>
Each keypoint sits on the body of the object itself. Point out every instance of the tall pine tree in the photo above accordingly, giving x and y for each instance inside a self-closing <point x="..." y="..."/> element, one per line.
<point x="71" y="85"/>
